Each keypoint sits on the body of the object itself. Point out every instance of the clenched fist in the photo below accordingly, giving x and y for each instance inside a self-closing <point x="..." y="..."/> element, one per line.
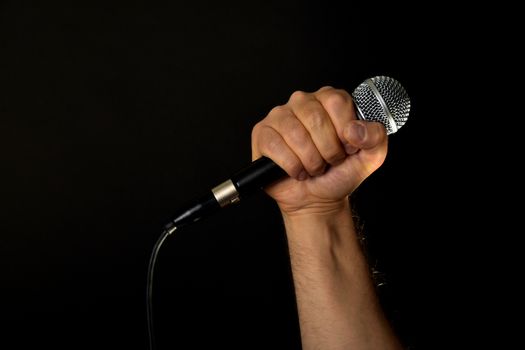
<point x="317" y="139"/>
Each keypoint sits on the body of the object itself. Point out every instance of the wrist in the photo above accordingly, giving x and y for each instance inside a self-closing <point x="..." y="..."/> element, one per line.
<point x="316" y="212"/>
<point x="319" y="232"/>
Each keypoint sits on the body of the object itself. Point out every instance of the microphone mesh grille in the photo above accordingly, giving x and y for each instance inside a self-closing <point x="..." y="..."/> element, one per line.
<point x="394" y="96"/>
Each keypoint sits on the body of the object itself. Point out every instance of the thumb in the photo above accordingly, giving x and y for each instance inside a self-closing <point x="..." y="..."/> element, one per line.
<point x="367" y="148"/>
<point x="364" y="135"/>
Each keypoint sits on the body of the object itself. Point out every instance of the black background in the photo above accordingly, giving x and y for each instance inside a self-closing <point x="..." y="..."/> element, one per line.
<point x="114" y="115"/>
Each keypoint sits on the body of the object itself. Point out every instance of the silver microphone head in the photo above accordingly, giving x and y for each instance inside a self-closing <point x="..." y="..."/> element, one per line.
<point x="382" y="99"/>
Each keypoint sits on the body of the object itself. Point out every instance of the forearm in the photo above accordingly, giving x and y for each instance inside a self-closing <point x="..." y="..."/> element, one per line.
<point x="337" y="304"/>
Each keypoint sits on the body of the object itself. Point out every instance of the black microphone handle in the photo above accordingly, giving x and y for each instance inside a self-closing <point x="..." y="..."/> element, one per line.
<point x="260" y="173"/>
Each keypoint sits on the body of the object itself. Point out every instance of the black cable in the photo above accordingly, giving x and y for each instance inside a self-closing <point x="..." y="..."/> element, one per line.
<point x="149" y="286"/>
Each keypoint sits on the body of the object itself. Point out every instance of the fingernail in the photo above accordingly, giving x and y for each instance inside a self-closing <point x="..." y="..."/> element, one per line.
<point x="302" y="176"/>
<point x="349" y="149"/>
<point x="358" y="131"/>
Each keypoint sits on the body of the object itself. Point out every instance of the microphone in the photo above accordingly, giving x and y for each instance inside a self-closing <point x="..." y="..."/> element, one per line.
<point x="380" y="99"/>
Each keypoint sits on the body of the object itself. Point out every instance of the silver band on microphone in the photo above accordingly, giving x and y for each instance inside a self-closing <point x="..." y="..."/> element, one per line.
<point x="382" y="102"/>
<point x="226" y="193"/>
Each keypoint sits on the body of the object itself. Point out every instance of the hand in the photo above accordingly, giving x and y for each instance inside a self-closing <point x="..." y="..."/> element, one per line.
<point x="317" y="139"/>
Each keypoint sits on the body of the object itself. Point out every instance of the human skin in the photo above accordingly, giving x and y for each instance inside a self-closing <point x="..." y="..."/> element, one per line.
<point x="317" y="139"/>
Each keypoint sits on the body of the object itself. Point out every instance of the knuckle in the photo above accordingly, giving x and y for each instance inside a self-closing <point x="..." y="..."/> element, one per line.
<point x="277" y="110"/>
<point x="343" y="93"/>
<point x="256" y="130"/>
<point x="381" y="155"/>
<point x="325" y="88"/>
<point x="373" y="164"/>
<point x="298" y="96"/>
<point x="337" y="98"/>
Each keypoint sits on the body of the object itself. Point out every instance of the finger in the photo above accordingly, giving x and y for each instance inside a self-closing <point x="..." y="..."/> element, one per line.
<point x="365" y="135"/>
<point x="266" y="141"/>
<point x="316" y="121"/>
<point x="340" y="107"/>
<point x="297" y="138"/>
